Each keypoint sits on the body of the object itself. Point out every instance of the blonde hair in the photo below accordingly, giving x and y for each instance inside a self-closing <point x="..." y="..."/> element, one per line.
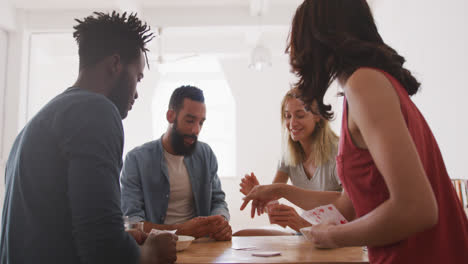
<point x="324" y="140"/>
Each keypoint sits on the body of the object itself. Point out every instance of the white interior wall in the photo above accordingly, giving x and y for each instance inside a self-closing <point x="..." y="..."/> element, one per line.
<point x="3" y="64"/>
<point x="7" y="15"/>
<point x="433" y="37"/>
<point x="258" y="96"/>
<point x="430" y="34"/>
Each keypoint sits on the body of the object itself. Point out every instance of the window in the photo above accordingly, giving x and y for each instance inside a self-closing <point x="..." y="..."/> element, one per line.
<point x="219" y="128"/>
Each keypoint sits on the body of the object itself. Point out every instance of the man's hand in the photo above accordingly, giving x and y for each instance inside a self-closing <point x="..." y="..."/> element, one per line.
<point x="159" y="249"/>
<point x="284" y="215"/>
<point x="138" y="235"/>
<point x="248" y="182"/>
<point x="196" y="227"/>
<point x="221" y="230"/>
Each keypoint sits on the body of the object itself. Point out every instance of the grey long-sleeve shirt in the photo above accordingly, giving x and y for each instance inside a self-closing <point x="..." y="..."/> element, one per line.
<point x="62" y="199"/>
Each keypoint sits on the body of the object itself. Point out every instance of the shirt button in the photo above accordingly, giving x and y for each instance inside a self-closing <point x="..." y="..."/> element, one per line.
<point x="167" y="195"/>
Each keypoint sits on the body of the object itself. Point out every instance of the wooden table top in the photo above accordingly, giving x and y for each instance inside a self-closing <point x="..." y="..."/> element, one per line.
<point x="294" y="249"/>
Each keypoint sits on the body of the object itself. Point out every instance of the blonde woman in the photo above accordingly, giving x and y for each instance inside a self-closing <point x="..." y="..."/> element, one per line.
<point x="309" y="150"/>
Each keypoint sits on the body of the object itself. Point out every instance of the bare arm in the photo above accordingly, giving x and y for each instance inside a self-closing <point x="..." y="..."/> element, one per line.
<point x="375" y="114"/>
<point x="303" y="198"/>
<point x="308" y="200"/>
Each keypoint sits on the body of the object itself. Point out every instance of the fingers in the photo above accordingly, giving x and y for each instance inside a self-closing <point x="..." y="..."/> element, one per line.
<point x="138" y="235"/>
<point x="202" y="230"/>
<point x="159" y="248"/>
<point x="281" y="207"/>
<point x="218" y="222"/>
<point x="246" y="202"/>
<point x="254" y="178"/>
<point x="224" y="234"/>
<point x="252" y="211"/>
<point x="247" y="183"/>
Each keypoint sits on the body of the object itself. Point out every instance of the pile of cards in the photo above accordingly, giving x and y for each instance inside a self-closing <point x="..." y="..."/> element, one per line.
<point x="325" y="213"/>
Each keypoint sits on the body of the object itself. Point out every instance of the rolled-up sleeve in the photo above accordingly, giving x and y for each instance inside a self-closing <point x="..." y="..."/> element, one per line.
<point x="132" y="192"/>
<point x="218" y="203"/>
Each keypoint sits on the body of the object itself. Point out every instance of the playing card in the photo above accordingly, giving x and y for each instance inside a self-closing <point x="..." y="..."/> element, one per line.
<point x="332" y="214"/>
<point x="312" y="216"/>
<point x="266" y="254"/>
<point x="323" y="213"/>
<point x="243" y="248"/>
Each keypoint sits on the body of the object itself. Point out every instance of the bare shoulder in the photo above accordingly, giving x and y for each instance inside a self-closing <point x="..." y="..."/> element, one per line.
<point x="364" y="79"/>
<point x="370" y="83"/>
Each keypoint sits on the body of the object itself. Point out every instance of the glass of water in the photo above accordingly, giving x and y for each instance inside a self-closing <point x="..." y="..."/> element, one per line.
<point x="132" y="223"/>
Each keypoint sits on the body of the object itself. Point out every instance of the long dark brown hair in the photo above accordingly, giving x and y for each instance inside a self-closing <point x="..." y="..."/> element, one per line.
<point x="331" y="39"/>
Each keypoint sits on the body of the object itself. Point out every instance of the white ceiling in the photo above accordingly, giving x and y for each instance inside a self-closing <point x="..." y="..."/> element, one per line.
<point x="90" y="4"/>
<point x="190" y="26"/>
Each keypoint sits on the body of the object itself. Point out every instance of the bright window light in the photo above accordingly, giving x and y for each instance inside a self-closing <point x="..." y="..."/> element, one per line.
<point x="219" y="128"/>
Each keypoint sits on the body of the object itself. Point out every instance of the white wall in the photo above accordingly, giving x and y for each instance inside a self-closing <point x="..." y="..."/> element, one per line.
<point x="3" y="64"/>
<point x="258" y="96"/>
<point x="7" y="15"/>
<point x="433" y="37"/>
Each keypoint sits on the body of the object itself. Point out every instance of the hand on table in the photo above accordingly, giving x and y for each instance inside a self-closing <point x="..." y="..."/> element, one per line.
<point x="138" y="235"/>
<point x="248" y="183"/>
<point x="196" y="227"/>
<point x="159" y="249"/>
<point x="221" y="230"/>
<point x="284" y="215"/>
<point x="260" y="195"/>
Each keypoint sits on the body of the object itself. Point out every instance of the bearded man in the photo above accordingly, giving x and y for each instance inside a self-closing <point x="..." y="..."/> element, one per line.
<point x="172" y="183"/>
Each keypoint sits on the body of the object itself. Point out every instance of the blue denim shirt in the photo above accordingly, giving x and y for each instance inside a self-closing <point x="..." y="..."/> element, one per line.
<point x="145" y="183"/>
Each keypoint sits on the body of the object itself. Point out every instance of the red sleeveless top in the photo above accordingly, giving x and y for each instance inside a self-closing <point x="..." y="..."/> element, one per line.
<point x="447" y="241"/>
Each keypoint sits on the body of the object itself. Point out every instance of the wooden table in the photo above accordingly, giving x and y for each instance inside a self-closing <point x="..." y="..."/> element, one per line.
<point x="294" y="249"/>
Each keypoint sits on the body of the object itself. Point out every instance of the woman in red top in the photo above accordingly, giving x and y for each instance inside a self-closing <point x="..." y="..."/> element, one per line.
<point x="397" y="193"/>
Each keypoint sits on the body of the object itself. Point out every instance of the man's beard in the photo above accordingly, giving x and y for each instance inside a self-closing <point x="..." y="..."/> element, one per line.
<point x="177" y="142"/>
<point x="120" y="94"/>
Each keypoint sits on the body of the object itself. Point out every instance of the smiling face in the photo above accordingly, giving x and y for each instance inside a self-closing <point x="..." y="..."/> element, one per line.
<point x="124" y="92"/>
<point x="299" y="122"/>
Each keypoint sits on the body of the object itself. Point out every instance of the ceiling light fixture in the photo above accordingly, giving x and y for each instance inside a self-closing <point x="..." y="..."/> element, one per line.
<point x="260" y="58"/>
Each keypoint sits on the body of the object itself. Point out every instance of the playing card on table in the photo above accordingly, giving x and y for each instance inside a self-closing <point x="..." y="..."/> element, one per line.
<point x="266" y="254"/>
<point x="323" y="213"/>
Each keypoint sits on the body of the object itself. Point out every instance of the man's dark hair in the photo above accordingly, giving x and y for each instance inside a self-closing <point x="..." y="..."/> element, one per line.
<point x="103" y="34"/>
<point x="186" y="91"/>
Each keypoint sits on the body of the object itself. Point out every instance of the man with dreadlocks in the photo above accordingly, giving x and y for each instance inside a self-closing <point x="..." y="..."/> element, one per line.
<point x="62" y="201"/>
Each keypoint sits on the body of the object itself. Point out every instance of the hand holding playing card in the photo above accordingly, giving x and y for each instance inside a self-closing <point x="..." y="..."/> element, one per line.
<point x="320" y="235"/>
